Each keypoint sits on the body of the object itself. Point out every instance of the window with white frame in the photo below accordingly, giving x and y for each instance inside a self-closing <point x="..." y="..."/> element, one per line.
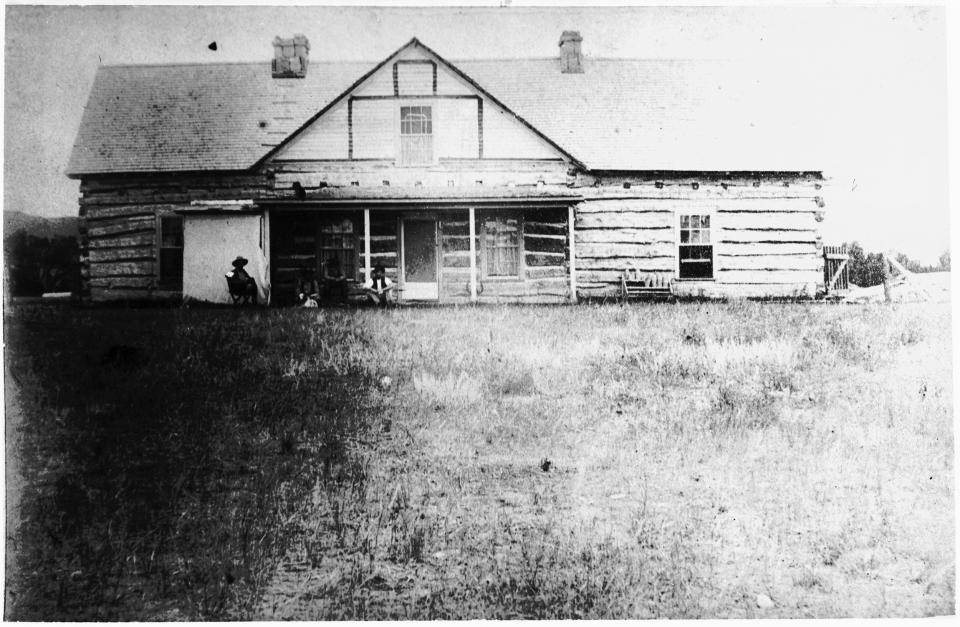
<point x="695" y="247"/>
<point x="416" y="135"/>
<point x="501" y="246"/>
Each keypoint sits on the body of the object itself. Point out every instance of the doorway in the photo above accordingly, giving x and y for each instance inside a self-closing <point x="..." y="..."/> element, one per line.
<point x="420" y="258"/>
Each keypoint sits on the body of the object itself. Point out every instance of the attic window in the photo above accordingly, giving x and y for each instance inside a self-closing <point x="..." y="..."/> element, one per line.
<point x="416" y="135"/>
<point x="262" y="124"/>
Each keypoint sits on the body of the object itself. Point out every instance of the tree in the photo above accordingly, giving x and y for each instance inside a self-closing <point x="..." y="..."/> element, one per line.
<point x="945" y="261"/>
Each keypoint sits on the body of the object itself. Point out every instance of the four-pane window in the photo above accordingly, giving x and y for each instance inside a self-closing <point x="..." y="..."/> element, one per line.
<point x="696" y="248"/>
<point x="416" y="135"/>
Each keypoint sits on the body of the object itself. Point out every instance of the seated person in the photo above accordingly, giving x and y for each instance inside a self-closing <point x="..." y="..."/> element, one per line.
<point x="334" y="282"/>
<point x="378" y="286"/>
<point x="242" y="284"/>
<point x="308" y="289"/>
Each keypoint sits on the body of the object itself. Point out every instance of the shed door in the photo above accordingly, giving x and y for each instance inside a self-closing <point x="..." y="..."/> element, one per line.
<point x="420" y="259"/>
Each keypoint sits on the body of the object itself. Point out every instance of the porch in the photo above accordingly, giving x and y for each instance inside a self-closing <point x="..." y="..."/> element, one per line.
<point x="435" y="252"/>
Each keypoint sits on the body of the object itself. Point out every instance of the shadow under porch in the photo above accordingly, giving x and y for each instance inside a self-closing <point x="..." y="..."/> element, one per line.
<point x="494" y="253"/>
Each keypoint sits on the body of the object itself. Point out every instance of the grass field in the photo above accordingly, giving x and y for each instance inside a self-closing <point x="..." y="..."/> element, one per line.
<point x="689" y="460"/>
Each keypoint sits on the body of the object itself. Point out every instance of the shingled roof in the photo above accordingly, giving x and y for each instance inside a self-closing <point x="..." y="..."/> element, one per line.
<point x="618" y="114"/>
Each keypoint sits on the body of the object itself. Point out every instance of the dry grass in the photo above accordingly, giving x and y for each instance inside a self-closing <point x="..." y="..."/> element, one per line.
<point x="596" y="462"/>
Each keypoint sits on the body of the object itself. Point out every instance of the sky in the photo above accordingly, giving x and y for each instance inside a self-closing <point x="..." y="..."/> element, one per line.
<point x="879" y="73"/>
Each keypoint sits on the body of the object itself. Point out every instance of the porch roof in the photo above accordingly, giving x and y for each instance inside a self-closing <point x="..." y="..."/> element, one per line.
<point x="429" y="195"/>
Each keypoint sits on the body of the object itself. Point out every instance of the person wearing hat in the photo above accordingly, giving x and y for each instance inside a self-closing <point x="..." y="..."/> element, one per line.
<point x="241" y="283"/>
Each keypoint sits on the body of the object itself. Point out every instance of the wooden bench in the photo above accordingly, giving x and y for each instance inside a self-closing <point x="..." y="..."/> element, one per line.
<point x="640" y="286"/>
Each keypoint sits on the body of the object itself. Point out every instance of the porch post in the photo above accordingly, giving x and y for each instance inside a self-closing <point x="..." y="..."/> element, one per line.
<point x="573" y="255"/>
<point x="366" y="244"/>
<point x="473" y="256"/>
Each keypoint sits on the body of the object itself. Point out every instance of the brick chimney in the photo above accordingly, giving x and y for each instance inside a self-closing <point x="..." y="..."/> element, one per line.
<point x="570" y="58"/>
<point x="290" y="57"/>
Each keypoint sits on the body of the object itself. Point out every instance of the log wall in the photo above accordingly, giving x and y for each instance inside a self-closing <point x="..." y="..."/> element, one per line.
<point x="765" y="237"/>
<point x="120" y="226"/>
<point x="544" y="275"/>
<point x="764" y="233"/>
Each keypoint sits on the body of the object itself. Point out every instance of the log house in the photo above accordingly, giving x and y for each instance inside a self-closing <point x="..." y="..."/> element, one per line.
<point x="526" y="181"/>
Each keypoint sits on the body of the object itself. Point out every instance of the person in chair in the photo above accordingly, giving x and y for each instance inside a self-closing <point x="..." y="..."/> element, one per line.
<point x="378" y="286"/>
<point x="241" y="284"/>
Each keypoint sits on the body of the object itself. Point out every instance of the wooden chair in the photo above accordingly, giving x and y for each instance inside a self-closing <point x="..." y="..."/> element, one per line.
<point x="640" y="286"/>
<point x="240" y="290"/>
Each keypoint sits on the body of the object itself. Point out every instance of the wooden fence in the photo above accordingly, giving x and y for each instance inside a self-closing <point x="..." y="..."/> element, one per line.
<point x="836" y="276"/>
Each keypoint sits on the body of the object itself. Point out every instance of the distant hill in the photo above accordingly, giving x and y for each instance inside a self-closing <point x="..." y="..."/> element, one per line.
<point x="39" y="226"/>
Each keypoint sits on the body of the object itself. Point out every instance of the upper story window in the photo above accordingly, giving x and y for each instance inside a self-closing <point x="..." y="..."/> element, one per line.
<point x="416" y="135"/>
<point x="696" y="249"/>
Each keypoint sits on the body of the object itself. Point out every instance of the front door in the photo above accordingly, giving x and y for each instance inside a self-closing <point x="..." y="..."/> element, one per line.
<point x="420" y="259"/>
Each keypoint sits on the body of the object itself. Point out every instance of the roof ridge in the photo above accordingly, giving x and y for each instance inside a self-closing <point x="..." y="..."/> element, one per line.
<point x="220" y="63"/>
<point x="368" y="61"/>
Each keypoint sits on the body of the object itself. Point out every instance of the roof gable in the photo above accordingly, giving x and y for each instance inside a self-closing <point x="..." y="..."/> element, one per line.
<point x="385" y="80"/>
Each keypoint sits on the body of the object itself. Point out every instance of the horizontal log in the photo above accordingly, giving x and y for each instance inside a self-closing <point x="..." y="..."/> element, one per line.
<point x="652" y="264"/>
<point x="121" y="226"/>
<point x="639" y="251"/>
<point x="544" y="259"/>
<point x="626" y="205"/>
<point x="122" y="268"/>
<point x="552" y="286"/>
<point x="123" y="241"/>
<point x="767" y="236"/>
<point x="545" y="245"/>
<point x="673" y="191"/>
<point x="108" y="293"/>
<point x="122" y="282"/>
<point x="545" y="228"/>
<point x="626" y="235"/>
<point x="613" y="276"/>
<point x="100" y="255"/>
<point x="769" y="276"/>
<point x="755" y="220"/>
<point x="761" y="249"/>
<point x="119" y="211"/>
<point x="542" y="236"/>
<point x="625" y="219"/>
<point x="547" y="272"/>
<point x="770" y="262"/>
